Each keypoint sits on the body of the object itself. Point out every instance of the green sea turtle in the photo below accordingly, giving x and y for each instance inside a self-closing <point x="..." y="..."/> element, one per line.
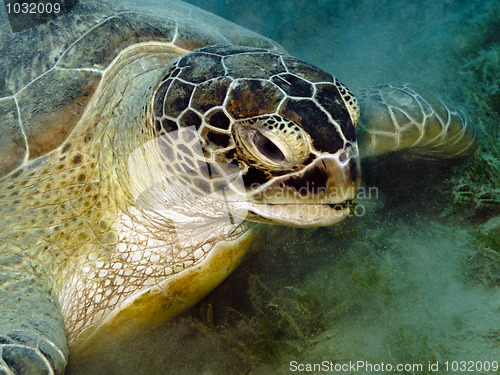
<point x="142" y="142"/>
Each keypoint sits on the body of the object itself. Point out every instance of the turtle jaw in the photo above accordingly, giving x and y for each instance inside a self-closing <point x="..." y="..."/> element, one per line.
<point x="301" y="215"/>
<point x="320" y="194"/>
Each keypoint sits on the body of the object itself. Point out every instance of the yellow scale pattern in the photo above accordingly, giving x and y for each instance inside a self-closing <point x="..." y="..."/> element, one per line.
<point x="69" y="212"/>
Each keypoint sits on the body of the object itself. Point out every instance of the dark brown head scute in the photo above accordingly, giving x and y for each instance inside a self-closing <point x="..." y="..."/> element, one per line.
<point x="219" y="139"/>
<point x="293" y="85"/>
<point x="218" y="119"/>
<point x="190" y="118"/>
<point x="314" y="121"/>
<point x="176" y="98"/>
<point x="253" y="65"/>
<point x="165" y="126"/>
<point x="329" y="97"/>
<point x="198" y="67"/>
<point x="210" y="94"/>
<point x="252" y="97"/>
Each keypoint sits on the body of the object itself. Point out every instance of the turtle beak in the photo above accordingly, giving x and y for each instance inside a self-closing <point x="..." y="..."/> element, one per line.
<point x="319" y="194"/>
<point x="330" y="179"/>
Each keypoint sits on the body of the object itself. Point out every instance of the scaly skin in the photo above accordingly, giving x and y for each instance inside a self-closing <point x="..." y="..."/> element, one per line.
<point x="65" y="214"/>
<point x="407" y="118"/>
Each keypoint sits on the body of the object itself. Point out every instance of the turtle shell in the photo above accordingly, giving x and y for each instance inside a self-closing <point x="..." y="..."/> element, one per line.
<point x="51" y="70"/>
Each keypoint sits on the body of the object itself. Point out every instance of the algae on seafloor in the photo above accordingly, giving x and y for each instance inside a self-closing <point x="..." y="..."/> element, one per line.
<point x="411" y="348"/>
<point x="281" y="325"/>
<point x="476" y="185"/>
<point x="484" y="265"/>
<point x="277" y="324"/>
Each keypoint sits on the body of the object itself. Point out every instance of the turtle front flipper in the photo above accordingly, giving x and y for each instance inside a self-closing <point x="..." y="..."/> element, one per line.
<point x="409" y="119"/>
<point x="32" y="339"/>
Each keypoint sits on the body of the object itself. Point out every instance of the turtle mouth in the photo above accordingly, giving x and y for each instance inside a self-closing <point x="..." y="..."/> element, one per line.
<point x="298" y="214"/>
<point x="351" y="204"/>
<point x="320" y="194"/>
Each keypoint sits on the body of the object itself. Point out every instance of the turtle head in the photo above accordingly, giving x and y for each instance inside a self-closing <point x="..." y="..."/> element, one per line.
<point x="265" y="135"/>
<point x="288" y="180"/>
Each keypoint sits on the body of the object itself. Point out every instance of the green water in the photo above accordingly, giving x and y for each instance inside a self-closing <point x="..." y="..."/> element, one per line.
<point x="365" y="42"/>
<point x="415" y="279"/>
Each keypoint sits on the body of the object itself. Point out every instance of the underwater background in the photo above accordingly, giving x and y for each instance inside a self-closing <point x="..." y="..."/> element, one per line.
<point x="415" y="278"/>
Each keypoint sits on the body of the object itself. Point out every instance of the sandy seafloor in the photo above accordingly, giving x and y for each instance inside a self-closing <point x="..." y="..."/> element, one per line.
<point x="400" y="284"/>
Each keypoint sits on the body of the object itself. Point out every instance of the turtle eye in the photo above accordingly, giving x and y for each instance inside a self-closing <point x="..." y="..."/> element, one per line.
<point x="267" y="147"/>
<point x="271" y="141"/>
